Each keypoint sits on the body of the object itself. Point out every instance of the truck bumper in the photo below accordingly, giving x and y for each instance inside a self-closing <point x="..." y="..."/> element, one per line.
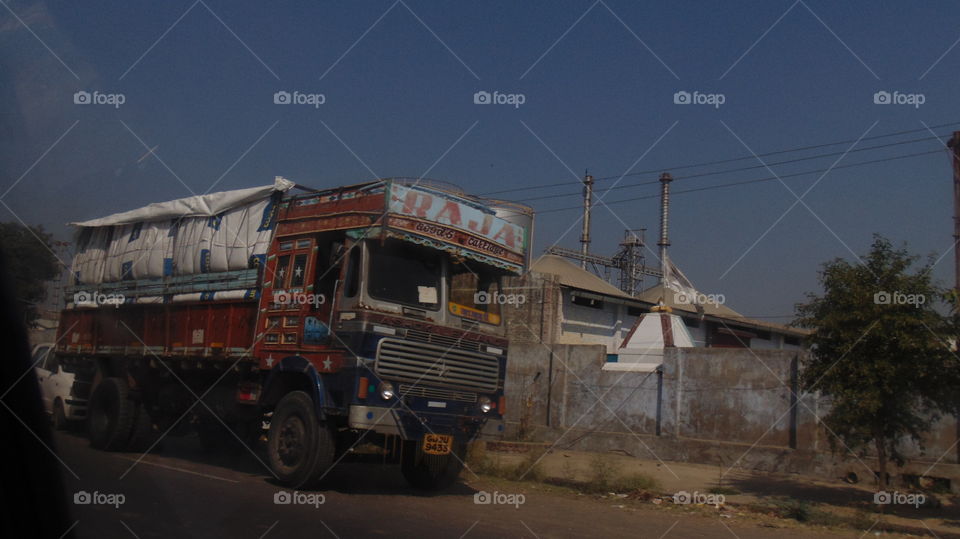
<point x="375" y="418"/>
<point x="409" y="426"/>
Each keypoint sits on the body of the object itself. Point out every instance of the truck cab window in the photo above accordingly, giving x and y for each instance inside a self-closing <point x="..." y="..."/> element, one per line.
<point x="476" y="288"/>
<point x="405" y="274"/>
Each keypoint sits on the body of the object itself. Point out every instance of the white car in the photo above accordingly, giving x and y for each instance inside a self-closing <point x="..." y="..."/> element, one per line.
<point x="57" y="388"/>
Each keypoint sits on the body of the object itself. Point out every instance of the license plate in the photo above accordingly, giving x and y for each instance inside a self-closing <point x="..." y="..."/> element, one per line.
<point x="437" y="444"/>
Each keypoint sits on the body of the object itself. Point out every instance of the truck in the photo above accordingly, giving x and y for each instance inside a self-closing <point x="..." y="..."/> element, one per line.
<point x="312" y="321"/>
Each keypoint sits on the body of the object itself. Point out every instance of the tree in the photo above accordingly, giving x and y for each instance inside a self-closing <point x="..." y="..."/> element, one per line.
<point x="879" y="352"/>
<point x="32" y="264"/>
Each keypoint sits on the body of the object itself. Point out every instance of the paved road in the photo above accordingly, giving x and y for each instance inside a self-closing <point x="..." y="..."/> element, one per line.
<point x="181" y="492"/>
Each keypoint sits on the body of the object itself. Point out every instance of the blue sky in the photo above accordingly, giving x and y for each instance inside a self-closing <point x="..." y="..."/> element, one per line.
<point x="598" y="78"/>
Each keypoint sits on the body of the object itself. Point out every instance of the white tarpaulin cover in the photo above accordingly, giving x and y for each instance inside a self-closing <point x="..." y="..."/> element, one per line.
<point x="200" y="234"/>
<point x="195" y="206"/>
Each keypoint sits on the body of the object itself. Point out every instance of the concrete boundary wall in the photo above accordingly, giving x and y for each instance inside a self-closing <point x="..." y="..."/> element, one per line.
<point x="730" y="407"/>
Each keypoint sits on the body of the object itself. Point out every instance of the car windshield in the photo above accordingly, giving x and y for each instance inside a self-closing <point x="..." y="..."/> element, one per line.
<point x="404" y="273"/>
<point x="475" y="292"/>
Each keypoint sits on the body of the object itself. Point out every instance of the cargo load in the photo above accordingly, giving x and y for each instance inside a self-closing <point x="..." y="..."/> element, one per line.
<point x="210" y="233"/>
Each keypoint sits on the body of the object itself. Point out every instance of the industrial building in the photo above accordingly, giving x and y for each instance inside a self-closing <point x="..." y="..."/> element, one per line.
<point x="570" y="305"/>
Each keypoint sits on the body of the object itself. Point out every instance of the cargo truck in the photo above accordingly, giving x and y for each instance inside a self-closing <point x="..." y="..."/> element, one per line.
<point x="318" y="321"/>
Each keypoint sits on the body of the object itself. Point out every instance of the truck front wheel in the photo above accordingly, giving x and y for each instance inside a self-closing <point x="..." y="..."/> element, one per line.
<point x="430" y="472"/>
<point x="112" y="415"/>
<point x="300" y="447"/>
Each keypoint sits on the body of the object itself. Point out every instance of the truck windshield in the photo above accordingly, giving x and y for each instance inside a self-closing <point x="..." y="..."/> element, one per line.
<point x="404" y="273"/>
<point x="475" y="292"/>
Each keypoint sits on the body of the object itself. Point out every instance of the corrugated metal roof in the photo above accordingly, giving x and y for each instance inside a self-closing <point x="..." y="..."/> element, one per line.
<point x="572" y="275"/>
<point x="655" y="293"/>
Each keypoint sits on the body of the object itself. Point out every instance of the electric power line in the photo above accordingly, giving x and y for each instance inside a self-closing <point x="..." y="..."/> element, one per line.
<point x="745" y="182"/>
<point x="731" y="160"/>
<point x="627" y="185"/>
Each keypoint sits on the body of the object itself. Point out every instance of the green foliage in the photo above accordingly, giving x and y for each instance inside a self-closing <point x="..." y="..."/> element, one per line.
<point x="31" y="264"/>
<point x="602" y="473"/>
<point x="605" y="476"/>
<point x="886" y="367"/>
<point x="529" y="469"/>
<point x="799" y="510"/>
<point x="634" y="482"/>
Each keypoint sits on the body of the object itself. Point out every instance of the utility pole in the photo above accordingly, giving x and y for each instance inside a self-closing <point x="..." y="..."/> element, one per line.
<point x="954" y="145"/>
<point x="664" y="242"/>
<point x="587" y="205"/>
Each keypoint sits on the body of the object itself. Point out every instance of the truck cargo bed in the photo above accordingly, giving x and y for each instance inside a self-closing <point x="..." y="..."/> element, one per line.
<point x="200" y="316"/>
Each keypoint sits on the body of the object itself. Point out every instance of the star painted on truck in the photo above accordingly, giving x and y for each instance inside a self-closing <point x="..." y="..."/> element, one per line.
<point x="327" y="364"/>
<point x="270" y="360"/>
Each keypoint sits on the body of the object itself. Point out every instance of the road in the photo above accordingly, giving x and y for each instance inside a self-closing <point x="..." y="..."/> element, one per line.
<point x="181" y="492"/>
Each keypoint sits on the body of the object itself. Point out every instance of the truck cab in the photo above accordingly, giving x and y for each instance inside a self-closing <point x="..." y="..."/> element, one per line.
<point x="403" y="332"/>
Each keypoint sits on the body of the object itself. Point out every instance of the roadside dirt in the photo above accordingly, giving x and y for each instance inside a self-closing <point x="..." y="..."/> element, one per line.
<point x="746" y="495"/>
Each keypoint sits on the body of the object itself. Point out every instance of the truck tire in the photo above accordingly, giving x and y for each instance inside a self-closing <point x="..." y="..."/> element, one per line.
<point x="300" y="448"/>
<point x="112" y="414"/>
<point x="430" y="472"/>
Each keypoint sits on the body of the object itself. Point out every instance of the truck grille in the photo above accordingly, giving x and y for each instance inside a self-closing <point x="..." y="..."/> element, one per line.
<point x="446" y="342"/>
<point x="436" y="393"/>
<point x="437" y="365"/>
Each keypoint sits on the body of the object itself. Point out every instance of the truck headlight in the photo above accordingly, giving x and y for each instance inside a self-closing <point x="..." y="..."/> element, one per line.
<point x="485" y="405"/>
<point x="386" y="391"/>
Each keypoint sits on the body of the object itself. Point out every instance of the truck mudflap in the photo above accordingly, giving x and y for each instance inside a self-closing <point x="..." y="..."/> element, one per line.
<point x="418" y="425"/>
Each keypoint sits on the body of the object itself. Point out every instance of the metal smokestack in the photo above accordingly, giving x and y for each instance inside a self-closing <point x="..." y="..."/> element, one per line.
<point x="664" y="242"/>
<point x="585" y="234"/>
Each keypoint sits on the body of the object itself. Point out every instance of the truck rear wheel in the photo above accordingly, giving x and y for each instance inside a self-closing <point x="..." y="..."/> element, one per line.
<point x="300" y="448"/>
<point x="430" y="472"/>
<point x="112" y="415"/>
